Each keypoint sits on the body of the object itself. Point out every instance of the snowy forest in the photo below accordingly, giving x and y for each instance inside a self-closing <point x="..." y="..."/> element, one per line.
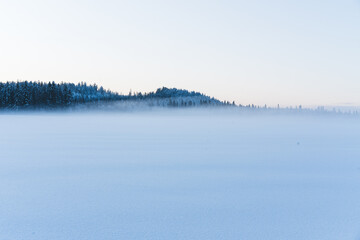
<point x="40" y="95"/>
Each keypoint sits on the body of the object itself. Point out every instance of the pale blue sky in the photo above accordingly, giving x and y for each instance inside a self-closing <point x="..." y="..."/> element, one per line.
<point x="261" y="52"/>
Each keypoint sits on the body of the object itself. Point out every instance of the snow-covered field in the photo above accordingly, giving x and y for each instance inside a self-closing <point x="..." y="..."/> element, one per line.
<point x="179" y="175"/>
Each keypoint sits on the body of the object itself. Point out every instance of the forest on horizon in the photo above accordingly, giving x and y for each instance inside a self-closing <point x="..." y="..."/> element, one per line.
<point x="51" y="95"/>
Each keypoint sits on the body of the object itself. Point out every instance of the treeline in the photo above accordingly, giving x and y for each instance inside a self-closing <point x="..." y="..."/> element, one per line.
<point x="15" y="95"/>
<point x="40" y="95"/>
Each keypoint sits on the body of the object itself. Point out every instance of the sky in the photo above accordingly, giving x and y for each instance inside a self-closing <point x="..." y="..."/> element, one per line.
<point x="251" y="52"/>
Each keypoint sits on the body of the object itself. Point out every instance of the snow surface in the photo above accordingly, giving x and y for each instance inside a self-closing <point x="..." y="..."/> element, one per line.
<point x="179" y="175"/>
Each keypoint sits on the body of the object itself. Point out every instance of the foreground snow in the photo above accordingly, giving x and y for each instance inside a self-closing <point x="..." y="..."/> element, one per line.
<point x="179" y="176"/>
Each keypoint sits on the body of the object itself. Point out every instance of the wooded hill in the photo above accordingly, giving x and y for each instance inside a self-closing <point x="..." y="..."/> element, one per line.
<point x="40" y="95"/>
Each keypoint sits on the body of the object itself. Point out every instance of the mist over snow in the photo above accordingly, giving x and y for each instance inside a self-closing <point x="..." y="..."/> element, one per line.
<point x="179" y="120"/>
<point x="210" y="174"/>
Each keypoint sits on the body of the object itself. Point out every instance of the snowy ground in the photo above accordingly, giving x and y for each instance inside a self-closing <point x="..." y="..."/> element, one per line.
<point x="179" y="176"/>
